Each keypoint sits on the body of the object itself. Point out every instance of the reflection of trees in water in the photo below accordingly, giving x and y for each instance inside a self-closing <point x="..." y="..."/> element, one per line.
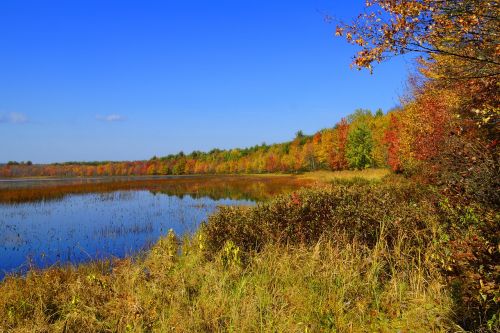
<point x="255" y="192"/>
<point x="252" y="188"/>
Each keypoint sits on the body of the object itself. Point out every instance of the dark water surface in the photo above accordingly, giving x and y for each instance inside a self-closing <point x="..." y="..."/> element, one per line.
<point x="47" y="222"/>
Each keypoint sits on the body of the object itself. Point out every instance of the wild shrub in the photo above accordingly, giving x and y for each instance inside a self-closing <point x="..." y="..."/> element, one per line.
<point x="469" y="259"/>
<point x="362" y="212"/>
<point x="368" y="257"/>
<point x="469" y="169"/>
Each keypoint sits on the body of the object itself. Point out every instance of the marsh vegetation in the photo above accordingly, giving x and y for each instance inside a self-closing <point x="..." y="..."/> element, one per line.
<point x="48" y="222"/>
<point x="412" y="249"/>
<point x="324" y="259"/>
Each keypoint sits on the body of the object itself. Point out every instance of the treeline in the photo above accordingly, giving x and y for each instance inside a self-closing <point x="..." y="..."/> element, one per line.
<point x="446" y="129"/>
<point x="446" y="133"/>
<point x="357" y="142"/>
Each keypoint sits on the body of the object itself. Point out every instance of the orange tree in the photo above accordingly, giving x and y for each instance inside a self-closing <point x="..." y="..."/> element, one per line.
<point x="448" y="131"/>
<point x="463" y="29"/>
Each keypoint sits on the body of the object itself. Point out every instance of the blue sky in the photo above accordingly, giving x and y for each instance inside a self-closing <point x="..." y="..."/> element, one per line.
<point x="125" y="80"/>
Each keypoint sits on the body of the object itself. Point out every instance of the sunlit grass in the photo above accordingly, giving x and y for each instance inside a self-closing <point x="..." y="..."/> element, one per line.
<point x="330" y="287"/>
<point x="328" y="176"/>
<point x="372" y="273"/>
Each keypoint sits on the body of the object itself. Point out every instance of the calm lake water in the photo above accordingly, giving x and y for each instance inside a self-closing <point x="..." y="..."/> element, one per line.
<point x="43" y="223"/>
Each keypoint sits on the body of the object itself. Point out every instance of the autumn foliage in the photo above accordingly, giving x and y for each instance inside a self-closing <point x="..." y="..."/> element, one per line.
<point x="447" y="131"/>
<point x="326" y="150"/>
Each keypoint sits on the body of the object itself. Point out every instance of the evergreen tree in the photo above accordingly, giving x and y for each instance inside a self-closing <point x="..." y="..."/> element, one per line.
<point x="359" y="147"/>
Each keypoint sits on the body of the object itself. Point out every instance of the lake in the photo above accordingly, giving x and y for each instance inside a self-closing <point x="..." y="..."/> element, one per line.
<point x="44" y="222"/>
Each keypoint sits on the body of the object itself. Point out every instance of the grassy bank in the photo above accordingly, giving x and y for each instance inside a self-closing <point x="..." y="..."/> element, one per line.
<point x="346" y="175"/>
<point x="327" y="287"/>
<point x="343" y="258"/>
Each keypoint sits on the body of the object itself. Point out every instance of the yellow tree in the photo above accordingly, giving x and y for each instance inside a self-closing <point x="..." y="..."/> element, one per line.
<point x="378" y="125"/>
<point x="461" y="29"/>
<point x="325" y="150"/>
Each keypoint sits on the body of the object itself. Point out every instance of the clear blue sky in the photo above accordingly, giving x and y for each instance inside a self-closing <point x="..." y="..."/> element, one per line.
<point x="125" y="80"/>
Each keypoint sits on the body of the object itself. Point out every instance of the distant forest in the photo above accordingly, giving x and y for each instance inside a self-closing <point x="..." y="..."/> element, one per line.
<point x="362" y="140"/>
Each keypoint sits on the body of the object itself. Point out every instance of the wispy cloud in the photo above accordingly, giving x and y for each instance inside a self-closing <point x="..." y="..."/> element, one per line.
<point x="13" y="118"/>
<point x="110" y="117"/>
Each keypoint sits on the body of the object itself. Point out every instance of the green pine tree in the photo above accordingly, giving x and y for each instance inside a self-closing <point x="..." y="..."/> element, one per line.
<point x="359" y="147"/>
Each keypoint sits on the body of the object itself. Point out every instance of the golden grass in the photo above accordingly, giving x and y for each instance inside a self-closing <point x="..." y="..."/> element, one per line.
<point x="338" y="284"/>
<point x="331" y="287"/>
<point x="329" y="176"/>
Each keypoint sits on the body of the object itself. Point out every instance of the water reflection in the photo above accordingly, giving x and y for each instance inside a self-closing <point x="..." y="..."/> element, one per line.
<point x="75" y="221"/>
<point x="82" y="227"/>
<point x="215" y="187"/>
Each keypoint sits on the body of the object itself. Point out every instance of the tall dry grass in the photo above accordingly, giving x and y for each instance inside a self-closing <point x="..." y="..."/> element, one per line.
<point x="373" y="274"/>
<point x="330" y="287"/>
